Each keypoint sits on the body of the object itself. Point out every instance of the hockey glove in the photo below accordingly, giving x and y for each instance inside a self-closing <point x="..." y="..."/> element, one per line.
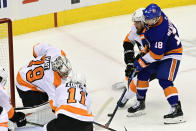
<point x="129" y="70"/>
<point x="140" y="64"/>
<point x="139" y="55"/>
<point x="19" y="118"/>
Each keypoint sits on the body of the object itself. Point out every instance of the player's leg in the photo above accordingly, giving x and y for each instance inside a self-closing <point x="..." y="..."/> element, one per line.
<point x="130" y="93"/>
<point x="166" y="74"/>
<point x="142" y="87"/>
<point x="32" y="98"/>
<point x="65" y="123"/>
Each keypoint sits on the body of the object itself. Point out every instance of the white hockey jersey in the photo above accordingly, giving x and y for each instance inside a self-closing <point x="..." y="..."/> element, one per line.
<point x="38" y="74"/>
<point x="73" y="100"/>
<point x="132" y="36"/>
<point x="8" y="110"/>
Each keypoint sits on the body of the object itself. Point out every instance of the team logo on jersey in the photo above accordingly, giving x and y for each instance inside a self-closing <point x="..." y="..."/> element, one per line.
<point x="47" y="63"/>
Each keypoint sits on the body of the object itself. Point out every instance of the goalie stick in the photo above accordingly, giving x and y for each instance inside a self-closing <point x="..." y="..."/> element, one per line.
<point x="117" y="105"/>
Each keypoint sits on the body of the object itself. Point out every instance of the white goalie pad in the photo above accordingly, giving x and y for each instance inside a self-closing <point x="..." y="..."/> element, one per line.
<point x="40" y="114"/>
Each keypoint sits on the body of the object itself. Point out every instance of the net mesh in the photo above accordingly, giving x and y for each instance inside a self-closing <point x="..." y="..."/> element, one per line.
<point x="4" y="52"/>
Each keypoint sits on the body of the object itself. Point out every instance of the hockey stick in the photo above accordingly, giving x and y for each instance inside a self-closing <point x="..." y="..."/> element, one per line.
<point x="116" y="108"/>
<point x="103" y="126"/>
<point x="33" y="107"/>
<point x="35" y="124"/>
<point x="117" y="105"/>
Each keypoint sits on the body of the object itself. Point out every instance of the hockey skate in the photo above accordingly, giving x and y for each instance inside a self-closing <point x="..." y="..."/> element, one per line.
<point x="137" y="109"/>
<point x="175" y="116"/>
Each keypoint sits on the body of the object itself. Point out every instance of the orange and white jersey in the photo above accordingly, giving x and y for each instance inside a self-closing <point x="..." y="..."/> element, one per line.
<point x="38" y="75"/>
<point x="72" y="100"/>
<point x="5" y="102"/>
<point x="132" y="36"/>
<point x="3" y="121"/>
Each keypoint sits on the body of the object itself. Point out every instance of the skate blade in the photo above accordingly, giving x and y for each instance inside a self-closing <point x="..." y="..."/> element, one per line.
<point x="177" y="120"/>
<point x="119" y="85"/>
<point x="136" y="114"/>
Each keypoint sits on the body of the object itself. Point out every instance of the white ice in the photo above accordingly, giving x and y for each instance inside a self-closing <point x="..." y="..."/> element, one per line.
<point x="95" y="48"/>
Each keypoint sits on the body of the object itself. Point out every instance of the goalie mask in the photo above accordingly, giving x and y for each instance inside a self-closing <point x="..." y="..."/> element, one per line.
<point x="3" y="76"/>
<point x="61" y="65"/>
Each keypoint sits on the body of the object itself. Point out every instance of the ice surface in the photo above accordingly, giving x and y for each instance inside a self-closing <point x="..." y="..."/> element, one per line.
<point x="95" y="48"/>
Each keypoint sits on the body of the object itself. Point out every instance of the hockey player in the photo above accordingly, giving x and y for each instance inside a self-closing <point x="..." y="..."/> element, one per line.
<point x="73" y="106"/>
<point x="37" y="80"/>
<point x="133" y="38"/>
<point x="6" y="109"/>
<point x="165" y="52"/>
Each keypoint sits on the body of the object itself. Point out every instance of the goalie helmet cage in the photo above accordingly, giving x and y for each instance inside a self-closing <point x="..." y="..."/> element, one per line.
<point x="6" y="55"/>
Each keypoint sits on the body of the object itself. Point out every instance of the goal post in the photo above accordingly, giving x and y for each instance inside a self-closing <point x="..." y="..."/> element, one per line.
<point x="7" y="56"/>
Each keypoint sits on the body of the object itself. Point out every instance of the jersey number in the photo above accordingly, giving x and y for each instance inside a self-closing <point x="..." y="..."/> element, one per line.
<point x="71" y="98"/>
<point x="37" y="73"/>
<point x="159" y="45"/>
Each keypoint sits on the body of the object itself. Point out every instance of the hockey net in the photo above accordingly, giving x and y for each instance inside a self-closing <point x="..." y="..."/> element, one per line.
<point x="6" y="55"/>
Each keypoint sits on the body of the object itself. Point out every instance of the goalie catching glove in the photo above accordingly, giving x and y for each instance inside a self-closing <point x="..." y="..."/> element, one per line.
<point x="19" y="118"/>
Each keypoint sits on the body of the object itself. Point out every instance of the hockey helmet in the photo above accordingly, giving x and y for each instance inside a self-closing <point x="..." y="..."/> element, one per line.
<point x="138" y="15"/>
<point x="151" y="13"/>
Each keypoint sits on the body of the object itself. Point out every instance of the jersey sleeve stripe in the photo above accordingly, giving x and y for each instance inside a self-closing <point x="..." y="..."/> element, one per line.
<point x="52" y="105"/>
<point x="11" y="113"/>
<point x="34" y="54"/>
<point x="24" y="83"/>
<point x="74" y="110"/>
<point x="127" y="38"/>
<point x="155" y="56"/>
<point x="4" y="124"/>
<point x="57" y="79"/>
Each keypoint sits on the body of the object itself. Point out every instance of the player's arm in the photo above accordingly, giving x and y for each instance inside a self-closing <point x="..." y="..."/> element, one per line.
<point x="16" y="117"/>
<point x="155" y="53"/>
<point x="129" y="57"/>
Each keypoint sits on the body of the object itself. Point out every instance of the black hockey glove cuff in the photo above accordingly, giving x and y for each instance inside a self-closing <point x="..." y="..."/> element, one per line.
<point x="19" y="118"/>
<point x="129" y="70"/>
